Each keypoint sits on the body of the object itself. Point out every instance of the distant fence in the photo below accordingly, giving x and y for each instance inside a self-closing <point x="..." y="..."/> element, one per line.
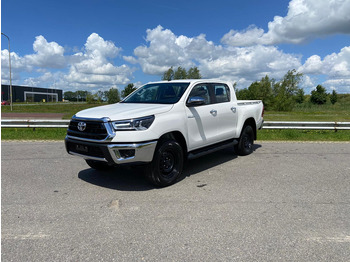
<point x="37" y="123"/>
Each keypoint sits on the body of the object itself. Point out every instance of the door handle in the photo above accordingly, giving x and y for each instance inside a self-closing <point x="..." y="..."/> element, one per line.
<point x="233" y="109"/>
<point x="213" y="112"/>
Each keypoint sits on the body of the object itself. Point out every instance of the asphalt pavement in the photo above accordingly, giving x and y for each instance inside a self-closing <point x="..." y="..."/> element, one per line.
<point x="284" y="202"/>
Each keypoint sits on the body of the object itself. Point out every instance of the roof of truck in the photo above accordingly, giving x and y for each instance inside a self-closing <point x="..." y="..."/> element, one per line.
<point x="191" y="81"/>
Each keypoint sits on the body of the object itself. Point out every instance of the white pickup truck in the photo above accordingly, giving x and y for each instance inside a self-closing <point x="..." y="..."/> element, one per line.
<point x="162" y="124"/>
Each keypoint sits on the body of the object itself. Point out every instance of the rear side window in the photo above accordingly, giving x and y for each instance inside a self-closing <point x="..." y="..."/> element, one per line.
<point x="222" y="93"/>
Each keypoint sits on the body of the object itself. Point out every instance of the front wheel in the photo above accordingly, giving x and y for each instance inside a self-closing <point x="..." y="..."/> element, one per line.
<point x="246" y="142"/>
<point x="167" y="164"/>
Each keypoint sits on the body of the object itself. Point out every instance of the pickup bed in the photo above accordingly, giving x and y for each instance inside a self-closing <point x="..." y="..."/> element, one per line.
<point x="162" y="124"/>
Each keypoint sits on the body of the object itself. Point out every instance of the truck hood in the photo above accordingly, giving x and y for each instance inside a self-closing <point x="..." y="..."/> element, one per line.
<point x="121" y="111"/>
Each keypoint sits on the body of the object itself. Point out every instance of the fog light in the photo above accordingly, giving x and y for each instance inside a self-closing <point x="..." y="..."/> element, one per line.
<point x="127" y="153"/>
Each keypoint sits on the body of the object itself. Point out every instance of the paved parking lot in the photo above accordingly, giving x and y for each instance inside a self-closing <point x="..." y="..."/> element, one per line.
<point x="285" y="202"/>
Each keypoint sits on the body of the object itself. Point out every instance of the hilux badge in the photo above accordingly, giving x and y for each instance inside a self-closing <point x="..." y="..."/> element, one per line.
<point x="81" y="126"/>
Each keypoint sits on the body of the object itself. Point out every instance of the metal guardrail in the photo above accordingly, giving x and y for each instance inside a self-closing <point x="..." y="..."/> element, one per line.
<point x="306" y="125"/>
<point x="34" y="123"/>
<point x="37" y="123"/>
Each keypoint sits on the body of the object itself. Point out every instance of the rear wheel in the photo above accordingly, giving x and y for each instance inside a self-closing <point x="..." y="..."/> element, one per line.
<point x="246" y="142"/>
<point x="98" y="165"/>
<point x="167" y="164"/>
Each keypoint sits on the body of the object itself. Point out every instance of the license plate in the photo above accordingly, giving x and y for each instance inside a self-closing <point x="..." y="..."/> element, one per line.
<point x="82" y="148"/>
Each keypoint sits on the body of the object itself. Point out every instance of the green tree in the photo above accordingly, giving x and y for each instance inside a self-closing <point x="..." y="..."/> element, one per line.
<point x="266" y="94"/>
<point x="105" y="93"/>
<point x="91" y="98"/>
<point x="128" y="90"/>
<point x="100" y="96"/>
<point x="168" y="75"/>
<point x="286" y="90"/>
<point x="262" y="90"/>
<point x="243" y="94"/>
<point x="333" y="97"/>
<point x="70" y="96"/>
<point x="113" y="96"/>
<point x="193" y="73"/>
<point x="181" y="73"/>
<point x="300" y="96"/>
<point x="319" y="95"/>
<point x="259" y="90"/>
<point x="81" y="95"/>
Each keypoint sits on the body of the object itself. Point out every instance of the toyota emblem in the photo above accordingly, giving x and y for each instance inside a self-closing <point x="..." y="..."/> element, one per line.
<point x="81" y="126"/>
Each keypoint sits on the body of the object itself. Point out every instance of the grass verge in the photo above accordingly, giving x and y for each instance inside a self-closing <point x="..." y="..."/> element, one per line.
<point x="68" y="109"/>
<point x="303" y="135"/>
<point x="33" y="134"/>
<point x="263" y="135"/>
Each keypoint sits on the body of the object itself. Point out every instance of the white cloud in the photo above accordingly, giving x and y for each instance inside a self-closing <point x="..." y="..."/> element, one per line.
<point x="313" y="65"/>
<point x="309" y="83"/>
<point x="333" y="65"/>
<point x="93" y="68"/>
<point x="165" y="49"/>
<point x="340" y="85"/>
<point x="240" y="64"/>
<point x="47" y="55"/>
<point x="97" y="47"/>
<point x="247" y="37"/>
<point x="305" y="20"/>
<point x="18" y="65"/>
<point x="338" y="65"/>
<point x="130" y="59"/>
<point x="336" y="68"/>
<point x="249" y="63"/>
<point x="47" y="80"/>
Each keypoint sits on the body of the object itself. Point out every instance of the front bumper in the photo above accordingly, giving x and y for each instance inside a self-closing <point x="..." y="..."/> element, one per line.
<point x="112" y="153"/>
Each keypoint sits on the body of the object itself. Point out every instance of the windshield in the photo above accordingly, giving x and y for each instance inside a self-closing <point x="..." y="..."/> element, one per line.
<point x="158" y="93"/>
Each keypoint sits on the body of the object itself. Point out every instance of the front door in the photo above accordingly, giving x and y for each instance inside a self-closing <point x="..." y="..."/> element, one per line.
<point x="201" y="120"/>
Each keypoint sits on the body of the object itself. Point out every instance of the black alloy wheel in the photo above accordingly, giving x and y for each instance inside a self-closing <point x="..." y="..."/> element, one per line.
<point x="246" y="142"/>
<point x="167" y="164"/>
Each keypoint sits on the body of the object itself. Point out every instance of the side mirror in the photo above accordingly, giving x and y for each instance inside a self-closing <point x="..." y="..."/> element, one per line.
<point x="195" y="101"/>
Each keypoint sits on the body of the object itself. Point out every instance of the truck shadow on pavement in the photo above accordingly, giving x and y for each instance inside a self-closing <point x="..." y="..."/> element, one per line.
<point x="133" y="179"/>
<point x="212" y="160"/>
<point x="118" y="178"/>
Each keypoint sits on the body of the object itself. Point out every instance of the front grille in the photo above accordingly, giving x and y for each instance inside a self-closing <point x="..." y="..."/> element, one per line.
<point x="87" y="150"/>
<point x="94" y="130"/>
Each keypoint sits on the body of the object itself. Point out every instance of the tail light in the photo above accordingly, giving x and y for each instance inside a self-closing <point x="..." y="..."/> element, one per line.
<point x="263" y="111"/>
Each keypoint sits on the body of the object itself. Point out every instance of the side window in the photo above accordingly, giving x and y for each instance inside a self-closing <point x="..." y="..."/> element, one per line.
<point x="222" y="93"/>
<point x="201" y="91"/>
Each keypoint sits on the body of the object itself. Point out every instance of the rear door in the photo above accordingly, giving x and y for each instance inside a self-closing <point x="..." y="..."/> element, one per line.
<point x="226" y="112"/>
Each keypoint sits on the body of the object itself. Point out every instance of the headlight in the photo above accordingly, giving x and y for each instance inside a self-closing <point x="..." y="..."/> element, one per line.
<point x="142" y="123"/>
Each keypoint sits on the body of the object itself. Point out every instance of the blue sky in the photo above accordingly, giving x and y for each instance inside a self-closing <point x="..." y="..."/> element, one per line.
<point x="98" y="44"/>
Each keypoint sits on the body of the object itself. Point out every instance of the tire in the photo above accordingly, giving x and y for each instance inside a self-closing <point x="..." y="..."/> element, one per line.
<point x="98" y="165"/>
<point x="167" y="164"/>
<point x="246" y="142"/>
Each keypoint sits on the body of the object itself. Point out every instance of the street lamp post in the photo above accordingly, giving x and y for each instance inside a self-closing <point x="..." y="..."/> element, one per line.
<point x="10" y="69"/>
